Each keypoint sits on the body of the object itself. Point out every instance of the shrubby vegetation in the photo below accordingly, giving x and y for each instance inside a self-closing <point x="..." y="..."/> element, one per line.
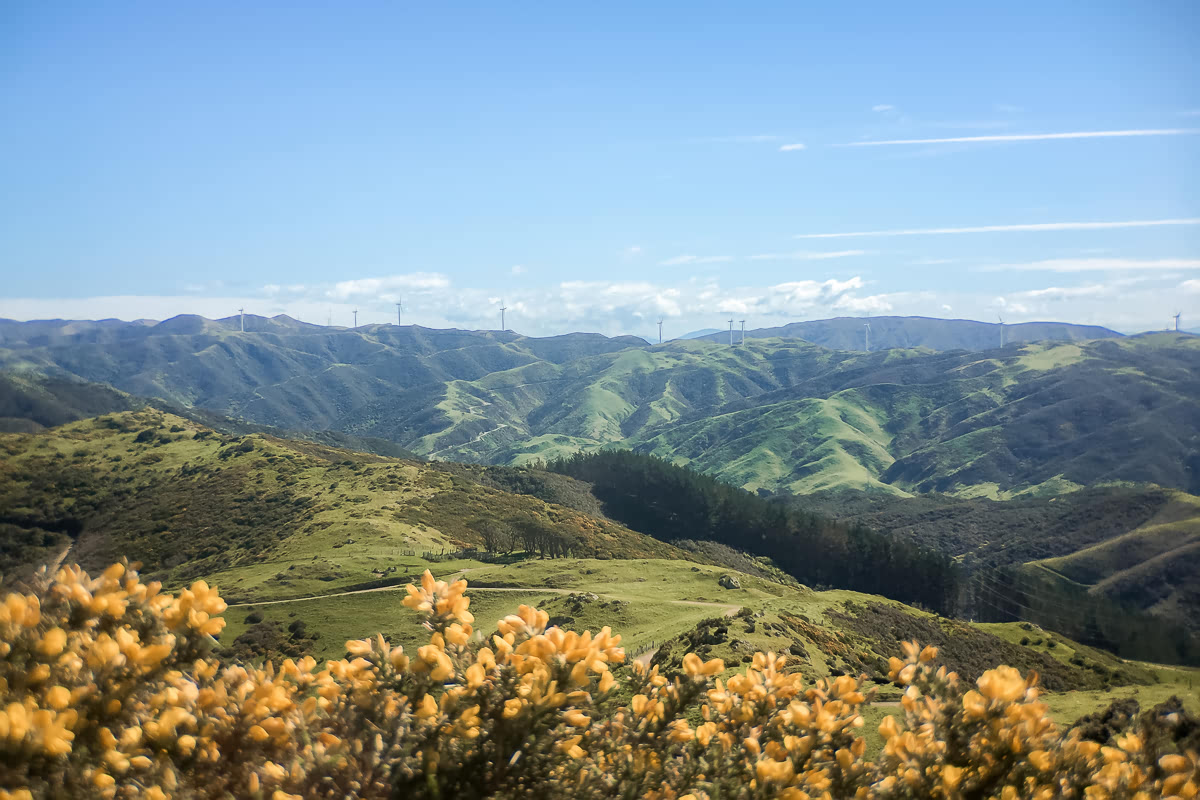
<point x="652" y="495"/>
<point x="1029" y="593"/>
<point x="985" y="533"/>
<point x="110" y="690"/>
<point x="1108" y="565"/>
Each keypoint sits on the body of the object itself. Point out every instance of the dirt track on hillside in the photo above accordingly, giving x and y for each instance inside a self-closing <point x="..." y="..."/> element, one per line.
<point x="729" y="609"/>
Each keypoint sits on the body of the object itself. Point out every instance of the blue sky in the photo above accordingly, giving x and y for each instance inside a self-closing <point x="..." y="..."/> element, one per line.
<point x="598" y="168"/>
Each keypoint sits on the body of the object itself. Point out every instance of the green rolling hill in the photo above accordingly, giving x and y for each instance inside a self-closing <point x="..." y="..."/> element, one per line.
<point x="268" y="517"/>
<point x="848" y="333"/>
<point x="1117" y="547"/>
<point x="1155" y="566"/>
<point x="31" y="402"/>
<point x="774" y="414"/>
<point x="311" y="543"/>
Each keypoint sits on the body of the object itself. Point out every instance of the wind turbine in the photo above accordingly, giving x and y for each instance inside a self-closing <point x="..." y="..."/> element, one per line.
<point x="242" y="319"/>
<point x="731" y="331"/>
<point x="867" y="337"/>
<point x="400" y="313"/>
<point x="502" y="310"/>
<point x="660" y="322"/>
<point x="1177" y="315"/>
<point x="1001" y="329"/>
<point x="743" y="332"/>
<point x="356" y="317"/>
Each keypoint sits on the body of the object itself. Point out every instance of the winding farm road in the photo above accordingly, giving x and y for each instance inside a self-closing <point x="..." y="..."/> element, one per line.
<point x="729" y="609"/>
<point x="499" y="426"/>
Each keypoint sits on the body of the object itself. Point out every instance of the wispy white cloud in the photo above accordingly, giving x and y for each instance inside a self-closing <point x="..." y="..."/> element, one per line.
<point x="678" y="260"/>
<point x="787" y="148"/>
<point x="1066" y="292"/>
<point x="1030" y="137"/>
<point x="204" y="286"/>
<point x="1102" y="264"/>
<point x="518" y="269"/>
<point x="274" y="289"/>
<point x="611" y="307"/>
<point x="374" y="287"/>
<point x="1127" y="302"/>
<point x="1191" y="112"/>
<point x="883" y="107"/>
<point x="1040" y="226"/>
<point x="1005" y="108"/>
<point x="801" y="255"/>
<point x="1011" y="306"/>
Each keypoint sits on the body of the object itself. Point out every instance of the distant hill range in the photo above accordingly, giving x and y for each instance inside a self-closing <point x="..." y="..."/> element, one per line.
<point x="698" y="334"/>
<point x="849" y="333"/>
<point x="774" y="414"/>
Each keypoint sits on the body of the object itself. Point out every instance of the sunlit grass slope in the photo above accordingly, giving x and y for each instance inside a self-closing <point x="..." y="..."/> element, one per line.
<point x="268" y="517"/>
<point x="666" y="609"/>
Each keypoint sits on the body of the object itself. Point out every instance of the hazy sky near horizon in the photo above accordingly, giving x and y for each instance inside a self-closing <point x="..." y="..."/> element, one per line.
<point x="597" y="168"/>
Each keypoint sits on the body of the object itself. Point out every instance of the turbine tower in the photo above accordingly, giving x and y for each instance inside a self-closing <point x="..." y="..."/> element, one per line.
<point x="731" y="331"/>
<point x="399" y="313"/>
<point x="743" y="341"/>
<point x="1001" y="329"/>
<point x="1177" y="314"/>
<point x="867" y="337"/>
<point x="356" y="317"/>
<point x="242" y="319"/>
<point x="660" y="322"/>
<point x="502" y="310"/>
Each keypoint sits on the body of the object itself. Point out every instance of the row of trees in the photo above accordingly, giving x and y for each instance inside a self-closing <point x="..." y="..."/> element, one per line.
<point x="669" y="502"/>
<point x="532" y="536"/>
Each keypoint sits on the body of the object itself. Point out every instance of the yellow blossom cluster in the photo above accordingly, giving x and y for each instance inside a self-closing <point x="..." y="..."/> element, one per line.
<point x="110" y="688"/>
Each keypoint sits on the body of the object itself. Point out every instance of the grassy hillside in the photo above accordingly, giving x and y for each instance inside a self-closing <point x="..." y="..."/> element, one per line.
<point x="983" y="533"/>
<point x="785" y="414"/>
<point x="847" y="333"/>
<point x="265" y="516"/>
<point x="675" y="503"/>
<point x="31" y="402"/>
<point x="1155" y="566"/>
<point x="665" y="609"/>
<point x="1029" y="419"/>
<point x="313" y="543"/>
<point x="1127" y="548"/>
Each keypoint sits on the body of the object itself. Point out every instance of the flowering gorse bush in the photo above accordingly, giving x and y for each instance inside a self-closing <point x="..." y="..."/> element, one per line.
<point x="109" y="689"/>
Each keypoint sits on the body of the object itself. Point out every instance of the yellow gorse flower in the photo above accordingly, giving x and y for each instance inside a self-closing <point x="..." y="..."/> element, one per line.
<point x="108" y="688"/>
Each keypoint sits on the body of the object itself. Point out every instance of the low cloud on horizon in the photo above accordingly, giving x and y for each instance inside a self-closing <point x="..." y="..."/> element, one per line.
<point x="1131" y="303"/>
<point x="1028" y="137"/>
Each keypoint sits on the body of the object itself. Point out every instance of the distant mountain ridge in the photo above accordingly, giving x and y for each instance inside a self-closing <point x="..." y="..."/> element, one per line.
<point x="772" y="414"/>
<point x="838" y="333"/>
<point x="698" y="334"/>
<point x="849" y="333"/>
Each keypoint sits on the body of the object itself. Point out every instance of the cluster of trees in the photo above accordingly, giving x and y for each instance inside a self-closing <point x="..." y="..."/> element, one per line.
<point x="669" y="502"/>
<point x="532" y="536"/>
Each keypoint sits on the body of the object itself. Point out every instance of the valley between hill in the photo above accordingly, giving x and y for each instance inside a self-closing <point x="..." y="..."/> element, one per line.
<point x="779" y="414"/>
<point x="313" y="543"/>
